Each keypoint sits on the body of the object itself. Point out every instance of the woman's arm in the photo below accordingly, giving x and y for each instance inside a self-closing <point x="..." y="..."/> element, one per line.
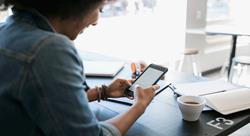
<point x="116" y="89"/>
<point x="143" y="97"/>
<point x="124" y="121"/>
<point x="92" y="94"/>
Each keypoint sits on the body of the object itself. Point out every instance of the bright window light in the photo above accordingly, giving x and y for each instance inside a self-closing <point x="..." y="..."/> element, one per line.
<point x="152" y="34"/>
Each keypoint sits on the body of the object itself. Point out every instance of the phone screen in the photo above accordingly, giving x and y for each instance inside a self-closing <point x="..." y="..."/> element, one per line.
<point x="148" y="78"/>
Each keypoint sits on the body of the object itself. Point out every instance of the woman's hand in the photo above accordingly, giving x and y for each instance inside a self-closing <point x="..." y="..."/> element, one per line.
<point x="143" y="97"/>
<point x="125" y="120"/>
<point x="117" y="88"/>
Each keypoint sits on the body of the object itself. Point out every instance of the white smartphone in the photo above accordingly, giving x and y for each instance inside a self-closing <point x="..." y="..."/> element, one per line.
<point x="150" y="76"/>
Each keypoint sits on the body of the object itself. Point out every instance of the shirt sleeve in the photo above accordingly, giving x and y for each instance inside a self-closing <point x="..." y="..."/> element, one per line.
<point x="109" y="130"/>
<point x="55" y="98"/>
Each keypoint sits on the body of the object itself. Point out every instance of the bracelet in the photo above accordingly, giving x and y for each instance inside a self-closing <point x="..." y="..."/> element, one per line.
<point x="99" y="93"/>
<point x="104" y="92"/>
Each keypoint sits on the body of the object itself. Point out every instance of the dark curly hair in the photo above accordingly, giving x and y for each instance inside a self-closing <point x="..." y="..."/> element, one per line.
<point x="58" y="8"/>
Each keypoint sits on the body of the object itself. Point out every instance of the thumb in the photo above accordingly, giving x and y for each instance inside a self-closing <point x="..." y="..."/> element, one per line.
<point x="155" y="87"/>
<point x="136" y="87"/>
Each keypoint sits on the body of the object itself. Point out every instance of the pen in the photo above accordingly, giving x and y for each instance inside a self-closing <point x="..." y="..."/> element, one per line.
<point x="162" y="89"/>
<point x="213" y="93"/>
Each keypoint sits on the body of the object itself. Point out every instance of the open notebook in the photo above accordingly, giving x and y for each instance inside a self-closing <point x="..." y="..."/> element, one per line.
<point x="229" y="101"/>
<point x="221" y="96"/>
<point x="102" y="68"/>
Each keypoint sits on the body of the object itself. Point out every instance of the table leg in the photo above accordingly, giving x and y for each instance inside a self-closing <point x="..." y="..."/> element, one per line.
<point x="232" y="54"/>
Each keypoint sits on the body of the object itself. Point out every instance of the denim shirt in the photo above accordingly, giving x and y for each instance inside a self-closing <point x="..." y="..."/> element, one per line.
<point x="42" y="87"/>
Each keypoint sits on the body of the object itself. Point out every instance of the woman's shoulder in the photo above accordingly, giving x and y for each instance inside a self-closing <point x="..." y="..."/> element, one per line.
<point x="55" y="41"/>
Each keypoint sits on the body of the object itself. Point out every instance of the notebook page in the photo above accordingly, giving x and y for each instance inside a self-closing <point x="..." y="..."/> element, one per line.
<point x="203" y="87"/>
<point x="229" y="101"/>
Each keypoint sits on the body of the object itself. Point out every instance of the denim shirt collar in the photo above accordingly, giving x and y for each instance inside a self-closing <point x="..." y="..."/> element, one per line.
<point x="34" y="17"/>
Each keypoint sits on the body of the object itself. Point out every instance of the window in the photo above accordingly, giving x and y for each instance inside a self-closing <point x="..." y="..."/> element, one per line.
<point x="239" y="10"/>
<point x="234" y="11"/>
<point x="125" y="7"/>
<point x="149" y="30"/>
<point x="218" y="10"/>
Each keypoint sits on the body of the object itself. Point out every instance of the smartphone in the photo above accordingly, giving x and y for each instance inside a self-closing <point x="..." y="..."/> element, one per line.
<point x="150" y="76"/>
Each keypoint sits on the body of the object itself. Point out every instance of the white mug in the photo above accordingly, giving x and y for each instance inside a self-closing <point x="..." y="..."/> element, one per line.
<point x="191" y="107"/>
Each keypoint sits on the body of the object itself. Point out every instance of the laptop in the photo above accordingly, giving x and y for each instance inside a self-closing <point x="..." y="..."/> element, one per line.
<point x="102" y="68"/>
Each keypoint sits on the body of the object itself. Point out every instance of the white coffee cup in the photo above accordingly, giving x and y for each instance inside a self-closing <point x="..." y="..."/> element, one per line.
<point x="191" y="107"/>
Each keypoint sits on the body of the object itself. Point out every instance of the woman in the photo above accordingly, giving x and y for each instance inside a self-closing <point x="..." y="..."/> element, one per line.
<point x="42" y="90"/>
